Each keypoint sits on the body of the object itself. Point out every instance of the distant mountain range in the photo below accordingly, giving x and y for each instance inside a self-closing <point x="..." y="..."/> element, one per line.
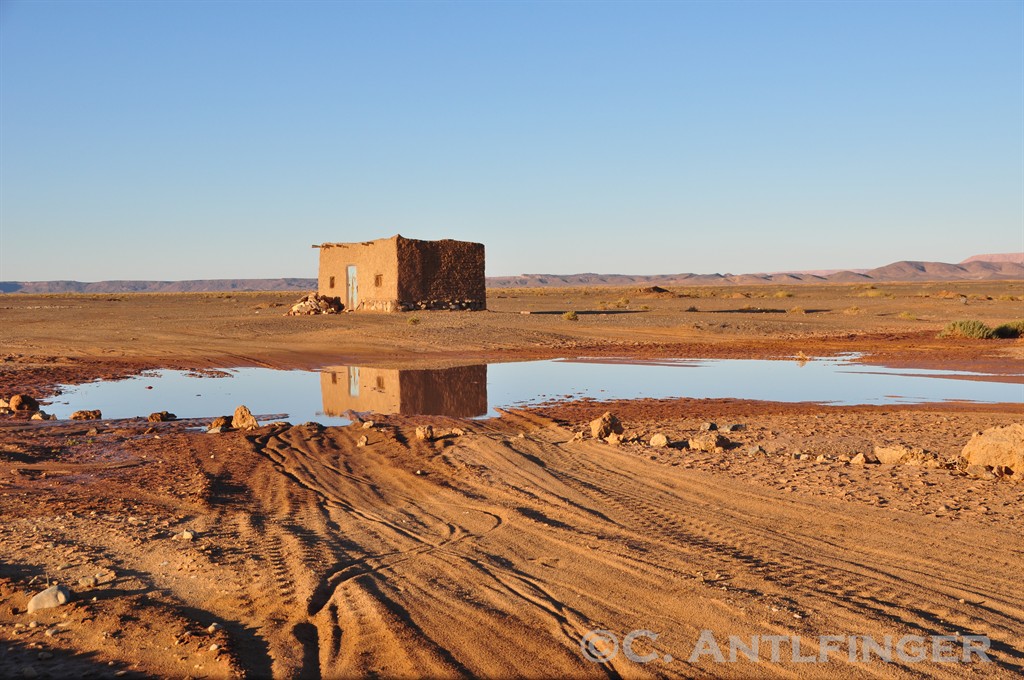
<point x="195" y="286"/>
<point x="1005" y="266"/>
<point x="1002" y="266"/>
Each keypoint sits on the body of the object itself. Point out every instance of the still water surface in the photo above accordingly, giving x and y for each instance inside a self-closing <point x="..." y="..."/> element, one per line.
<point x="475" y="391"/>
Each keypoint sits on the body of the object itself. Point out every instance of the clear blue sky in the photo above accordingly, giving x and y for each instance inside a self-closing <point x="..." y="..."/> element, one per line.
<point x="178" y="140"/>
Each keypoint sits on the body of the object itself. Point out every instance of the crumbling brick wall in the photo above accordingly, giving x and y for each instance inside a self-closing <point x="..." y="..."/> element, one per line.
<point x="442" y="274"/>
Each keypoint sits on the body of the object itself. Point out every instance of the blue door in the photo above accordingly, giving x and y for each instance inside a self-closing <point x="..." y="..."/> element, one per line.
<point x="352" y="300"/>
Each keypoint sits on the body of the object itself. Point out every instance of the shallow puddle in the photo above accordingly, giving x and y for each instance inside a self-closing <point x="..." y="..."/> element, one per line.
<point x="475" y="391"/>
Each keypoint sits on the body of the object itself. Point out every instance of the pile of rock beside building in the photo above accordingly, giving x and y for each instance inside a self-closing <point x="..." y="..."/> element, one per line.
<point x="314" y="303"/>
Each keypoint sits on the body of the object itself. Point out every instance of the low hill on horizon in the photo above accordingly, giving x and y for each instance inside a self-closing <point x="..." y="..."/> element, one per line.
<point x="1007" y="266"/>
<point x="905" y="270"/>
<point x="996" y="257"/>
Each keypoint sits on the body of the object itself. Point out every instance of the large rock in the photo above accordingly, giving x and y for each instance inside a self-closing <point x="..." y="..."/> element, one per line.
<point x="659" y="441"/>
<point x="998" y="446"/>
<point x="54" y="596"/>
<point x="88" y="414"/>
<point x="708" y="441"/>
<point x="243" y="419"/>
<point x="900" y="454"/>
<point x="605" y="425"/>
<point x="23" y="402"/>
<point x="221" y="423"/>
<point x="161" y="417"/>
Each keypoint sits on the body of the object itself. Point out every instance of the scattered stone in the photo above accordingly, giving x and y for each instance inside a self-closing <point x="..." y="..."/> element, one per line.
<point x="822" y="458"/>
<point x="420" y="473"/>
<point x="708" y="427"/>
<point x="54" y="596"/>
<point x="243" y="419"/>
<point x="998" y="446"/>
<point x="659" y="441"/>
<point x="980" y="471"/>
<point x="864" y="459"/>
<point x="368" y="425"/>
<point x="314" y="303"/>
<point x="161" y="417"/>
<point x="708" y="440"/>
<point x="363" y="441"/>
<point x="88" y="581"/>
<point x="214" y="647"/>
<point x="185" y="535"/>
<point x="458" y="432"/>
<point x="219" y="424"/>
<point x="734" y="427"/>
<point x="756" y="450"/>
<point x="605" y="425"/>
<point x="425" y="433"/>
<point x="92" y="432"/>
<point x="900" y="454"/>
<point x="87" y="414"/>
<point x="23" y="402"/>
<point x="614" y="439"/>
<point x="213" y="628"/>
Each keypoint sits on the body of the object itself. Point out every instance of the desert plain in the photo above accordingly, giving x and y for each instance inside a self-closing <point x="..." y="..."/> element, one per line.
<point x="493" y="547"/>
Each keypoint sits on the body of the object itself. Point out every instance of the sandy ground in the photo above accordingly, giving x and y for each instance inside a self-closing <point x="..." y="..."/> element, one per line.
<point x="495" y="548"/>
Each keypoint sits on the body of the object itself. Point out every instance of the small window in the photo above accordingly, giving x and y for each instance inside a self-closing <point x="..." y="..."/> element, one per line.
<point x="378" y="280"/>
<point x="334" y="378"/>
<point x="380" y="382"/>
<point x="332" y="282"/>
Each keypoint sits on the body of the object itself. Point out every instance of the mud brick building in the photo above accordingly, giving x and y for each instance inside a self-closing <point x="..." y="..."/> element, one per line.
<point x="401" y="274"/>
<point x="459" y="392"/>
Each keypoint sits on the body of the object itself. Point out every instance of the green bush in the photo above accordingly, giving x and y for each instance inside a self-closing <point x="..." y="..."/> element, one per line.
<point x="1014" y="329"/>
<point x="966" y="329"/>
<point x="571" y="316"/>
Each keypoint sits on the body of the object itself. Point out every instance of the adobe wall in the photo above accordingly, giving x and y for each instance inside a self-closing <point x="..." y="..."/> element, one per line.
<point x="376" y="265"/>
<point x="459" y="392"/>
<point x="443" y="274"/>
<point x="376" y="389"/>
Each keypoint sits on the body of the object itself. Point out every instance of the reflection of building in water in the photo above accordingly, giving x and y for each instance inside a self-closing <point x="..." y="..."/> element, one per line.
<point x="459" y="392"/>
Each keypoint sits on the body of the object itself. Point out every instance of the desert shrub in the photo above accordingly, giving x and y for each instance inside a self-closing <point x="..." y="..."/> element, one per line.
<point x="571" y="316"/>
<point x="413" y="320"/>
<point x="966" y="329"/>
<point x="907" y="316"/>
<point x="692" y="309"/>
<point x="783" y="294"/>
<point x="871" y="294"/>
<point x="645" y="308"/>
<point x="1013" y="329"/>
<point x="797" y="310"/>
<point x="852" y="310"/>
<point x="621" y="302"/>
